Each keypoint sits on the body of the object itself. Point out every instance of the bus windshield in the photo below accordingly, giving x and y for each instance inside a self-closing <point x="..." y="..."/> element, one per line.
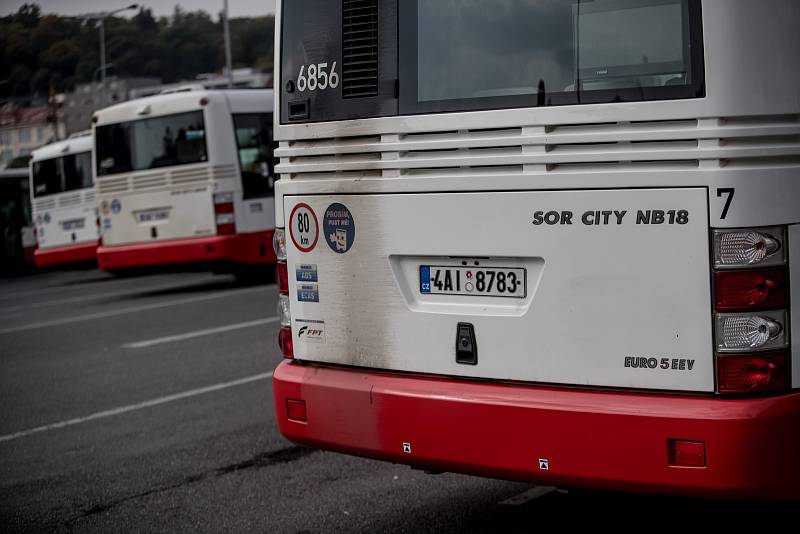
<point x="151" y="143"/>
<point x="57" y="175"/>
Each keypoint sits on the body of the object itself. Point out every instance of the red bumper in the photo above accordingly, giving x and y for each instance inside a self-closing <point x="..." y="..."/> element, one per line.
<point x="604" y="440"/>
<point x="48" y="257"/>
<point x="252" y="248"/>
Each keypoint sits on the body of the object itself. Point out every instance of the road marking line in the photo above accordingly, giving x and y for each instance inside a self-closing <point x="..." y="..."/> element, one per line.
<point x="113" y="294"/>
<point x="198" y="333"/>
<point x="526" y="496"/>
<point x="138" y="406"/>
<point x="123" y="311"/>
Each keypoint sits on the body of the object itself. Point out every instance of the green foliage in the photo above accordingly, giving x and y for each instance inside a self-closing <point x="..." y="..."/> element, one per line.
<point x="43" y="53"/>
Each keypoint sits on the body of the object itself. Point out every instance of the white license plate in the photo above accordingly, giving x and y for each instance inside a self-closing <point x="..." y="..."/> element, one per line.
<point x="476" y="281"/>
<point x="152" y="215"/>
<point x="72" y="224"/>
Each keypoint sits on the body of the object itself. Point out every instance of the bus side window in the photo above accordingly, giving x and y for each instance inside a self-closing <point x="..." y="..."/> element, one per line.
<point x="254" y="145"/>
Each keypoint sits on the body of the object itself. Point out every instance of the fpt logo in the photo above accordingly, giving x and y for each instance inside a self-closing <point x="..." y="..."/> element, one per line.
<point x="312" y="331"/>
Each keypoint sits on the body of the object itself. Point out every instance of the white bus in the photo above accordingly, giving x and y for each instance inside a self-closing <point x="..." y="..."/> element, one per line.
<point x="186" y="178"/>
<point x="63" y="201"/>
<point x="544" y="241"/>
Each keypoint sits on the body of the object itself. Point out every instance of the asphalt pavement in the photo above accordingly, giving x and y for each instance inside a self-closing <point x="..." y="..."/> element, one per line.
<point x="144" y="404"/>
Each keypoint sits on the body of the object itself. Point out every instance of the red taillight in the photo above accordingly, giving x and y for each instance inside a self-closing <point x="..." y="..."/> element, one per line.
<point x="750" y="290"/>
<point x="285" y="342"/>
<point x="751" y="373"/>
<point x="223" y="207"/>
<point x="223" y="214"/>
<point x="282" y="276"/>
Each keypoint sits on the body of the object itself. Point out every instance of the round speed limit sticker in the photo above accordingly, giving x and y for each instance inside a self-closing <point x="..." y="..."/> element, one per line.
<point x="303" y="227"/>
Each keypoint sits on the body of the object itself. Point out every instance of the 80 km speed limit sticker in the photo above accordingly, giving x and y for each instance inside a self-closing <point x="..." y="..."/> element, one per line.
<point x="303" y="227"/>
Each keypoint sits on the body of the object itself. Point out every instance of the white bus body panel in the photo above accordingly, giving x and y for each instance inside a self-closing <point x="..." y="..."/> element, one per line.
<point x="374" y="314"/>
<point x="67" y="218"/>
<point x="185" y="192"/>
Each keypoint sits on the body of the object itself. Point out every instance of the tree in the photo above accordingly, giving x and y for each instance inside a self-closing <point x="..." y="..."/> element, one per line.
<point x="39" y="52"/>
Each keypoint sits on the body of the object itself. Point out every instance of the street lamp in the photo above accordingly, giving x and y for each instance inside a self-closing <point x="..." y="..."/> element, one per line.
<point x="227" y="34"/>
<point x="100" y="19"/>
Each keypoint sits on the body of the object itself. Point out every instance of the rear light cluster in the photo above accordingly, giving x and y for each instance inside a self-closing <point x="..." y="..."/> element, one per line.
<point x="282" y="276"/>
<point x="223" y="214"/>
<point x="751" y="301"/>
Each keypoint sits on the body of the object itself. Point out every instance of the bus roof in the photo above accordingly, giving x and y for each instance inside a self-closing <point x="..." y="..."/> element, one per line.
<point x="239" y="101"/>
<point x="80" y="142"/>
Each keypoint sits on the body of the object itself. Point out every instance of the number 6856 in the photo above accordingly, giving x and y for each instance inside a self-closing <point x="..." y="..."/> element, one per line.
<point x="314" y="77"/>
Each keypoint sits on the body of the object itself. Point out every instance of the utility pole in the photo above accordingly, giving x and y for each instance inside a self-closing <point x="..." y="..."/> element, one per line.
<point x="100" y="19"/>
<point x="227" y="31"/>
<point x="102" y="26"/>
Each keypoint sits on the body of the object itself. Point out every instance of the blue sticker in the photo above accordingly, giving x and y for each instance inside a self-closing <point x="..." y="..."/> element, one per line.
<point x="308" y="293"/>
<point x="47" y="218"/>
<point x="424" y="278"/>
<point x="307" y="272"/>
<point x="116" y="205"/>
<point x="339" y="228"/>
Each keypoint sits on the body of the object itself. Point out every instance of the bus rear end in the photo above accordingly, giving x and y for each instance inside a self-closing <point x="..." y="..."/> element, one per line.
<point x="64" y="213"/>
<point x="548" y="242"/>
<point x="185" y="179"/>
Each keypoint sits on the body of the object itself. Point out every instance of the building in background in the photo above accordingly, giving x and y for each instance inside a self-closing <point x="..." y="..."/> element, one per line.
<point x="87" y="98"/>
<point x="25" y="128"/>
<point x="242" y="79"/>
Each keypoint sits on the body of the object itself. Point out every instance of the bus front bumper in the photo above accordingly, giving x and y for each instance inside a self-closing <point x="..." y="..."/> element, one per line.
<point x="250" y="248"/>
<point x="81" y="252"/>
<point x="589" y="438"/>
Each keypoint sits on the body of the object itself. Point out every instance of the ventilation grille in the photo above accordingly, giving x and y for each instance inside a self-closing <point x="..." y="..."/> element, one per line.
<point x="44" y="204"/>
<point x="171" y="178"/>
<point x="224" y="172"/>
<point x="359" y="48"/>
<point x="73" y="199"/>
<point x="537" y="149"/>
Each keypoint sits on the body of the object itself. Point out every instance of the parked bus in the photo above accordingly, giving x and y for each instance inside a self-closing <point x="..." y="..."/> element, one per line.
<point x="16" y="223"/>
<point x="544" y="241"/>
<point x="186" y="178"/>
<point x="64" y="210"/>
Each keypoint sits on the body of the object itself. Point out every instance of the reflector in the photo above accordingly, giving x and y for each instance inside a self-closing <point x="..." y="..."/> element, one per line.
<point x="687" y="453"/>
<point x="751" y="373"/>
<point x="296" y="410"/>
<point x="226" y="229"/>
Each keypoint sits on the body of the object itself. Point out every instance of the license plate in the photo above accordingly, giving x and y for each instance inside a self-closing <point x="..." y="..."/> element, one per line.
<point x="72" y="224"/>
<point x="152" y="215"/>
<point x="480" y="281"/>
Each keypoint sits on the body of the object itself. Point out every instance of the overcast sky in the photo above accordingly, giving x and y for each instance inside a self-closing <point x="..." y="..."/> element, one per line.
<point x="238" y="8"/>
